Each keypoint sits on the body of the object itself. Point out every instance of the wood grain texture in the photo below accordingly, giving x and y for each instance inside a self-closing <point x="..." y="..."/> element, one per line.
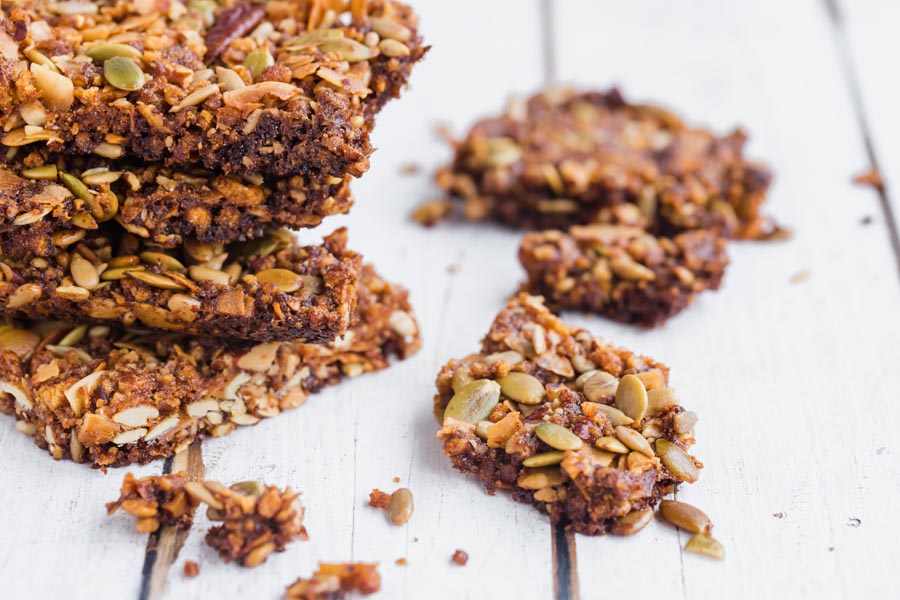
<point x="795" y="384"/>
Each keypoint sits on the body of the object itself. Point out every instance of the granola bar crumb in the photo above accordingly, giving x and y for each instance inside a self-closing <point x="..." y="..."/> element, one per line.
<point x="461" y="557"/>
<point x="401" y="562"/>
<point x="335" y="581"/>
<point x="871" y="177"/>
<point x="431" y="212"/>
<point x="191" y="568"/>
<point x="379" y="499"/>
<point x="156" y="501"/>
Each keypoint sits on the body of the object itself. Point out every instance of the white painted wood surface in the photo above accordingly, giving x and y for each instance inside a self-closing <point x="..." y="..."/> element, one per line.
<point x="796" y="384"/>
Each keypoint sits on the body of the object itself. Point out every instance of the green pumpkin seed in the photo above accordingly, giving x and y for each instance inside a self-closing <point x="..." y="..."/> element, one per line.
<point x="684" y="516"/>
<point x="677" y="461"/>
<point x="597" y="385"/>
<point x="632" y="522"/>
<point x="123" y="73"/>
<point x="170" y="263"/>
<point x="78" y="189"/>
<point x="705" y="546"/>
<point x="474" y="402"/>
<point x="107" y="50"/>
<point x="258" y="61"/>
<point x="631" y="397"/>
<point x="557" y="436"/>
<point x="544" y="459"/>
<point x="350" y="50"/>
<point x="74" y="336"/>
<point x="522" y="387"/>
<point x="44" y="172"/>
<point x="251" y="488"/>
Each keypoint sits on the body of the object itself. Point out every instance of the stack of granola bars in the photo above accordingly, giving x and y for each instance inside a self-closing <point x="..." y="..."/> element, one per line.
<point x="155" y="152"/>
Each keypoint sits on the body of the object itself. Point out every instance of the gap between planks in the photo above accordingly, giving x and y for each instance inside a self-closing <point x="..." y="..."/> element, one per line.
<point x="833" y="8"/>
<point x="164" y="545"/>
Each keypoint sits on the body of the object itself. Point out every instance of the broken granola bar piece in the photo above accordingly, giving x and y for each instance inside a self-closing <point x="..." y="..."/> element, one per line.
<point x="44" y="208"/>
<point x="566" y="158"/>
<point x="112" y="397"/>
<point x="582" y="430"/>
<point x="336" y="581"/>
<point x="256" y="519"/>
<point x="274" y="88"/>
<point x="262" y="290"/>
<point x="623" y="273"/>
<point x="156" y="501"/>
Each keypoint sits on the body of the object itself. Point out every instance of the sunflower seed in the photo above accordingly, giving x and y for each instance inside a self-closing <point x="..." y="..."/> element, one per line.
<point x="544" y="459"/>
<point x="634" y="440"/>
<point x="73" y="292"/>
<point x="685" y="516"/>
<point x="24" y="295"/>
<point x="107" y="150"/>
<point x="155" y="280"/>
<point x="400" y="508"/>
<point x="286" y="281"/>
<point x="706" y="546"/>
<point x="611" y="444"/>
<point x="598" y="385"/>
<point x="200" y="251"/>
<point x="387" y="28"/>
<point x="558" y="437"/>
<point x="626" y="268"/>
<point x="509" y="357"/>
<point x="74" y="336"/>
<point x="616" y="417"/>
<point x="196" y="97"/>
<point x="200" y="273"/>
<point x="137" y="416"/>
<point x="632" y="522"/>
<point x="393" y="48"/>
<point x="123" y="73"/>
<point x="474" y="402"/>
<point x="83" y="272"/>
<point x="118" y="273"/>
<point x="170" y="263"/>
<point x="631" y="398"/>
<point x="677" y="461"/>
<point x="522" y="387"/>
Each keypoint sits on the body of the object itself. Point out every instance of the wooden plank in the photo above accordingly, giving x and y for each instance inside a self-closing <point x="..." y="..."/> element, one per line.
<point x="363" y="433"/>
<point x="780" y="373"/>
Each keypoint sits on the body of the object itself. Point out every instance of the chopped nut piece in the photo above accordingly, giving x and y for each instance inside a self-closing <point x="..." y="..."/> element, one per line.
<point x="461" y="557"/>
<point x="191" y="568"/>
<point x="334" y="581"/>
<point x="588" y="465"/>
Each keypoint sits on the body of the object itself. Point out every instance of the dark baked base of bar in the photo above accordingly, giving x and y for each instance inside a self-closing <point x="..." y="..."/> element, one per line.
<point x="245" y="309"/>
<point x="647" y="289"/>
<point x="175" y="375"/>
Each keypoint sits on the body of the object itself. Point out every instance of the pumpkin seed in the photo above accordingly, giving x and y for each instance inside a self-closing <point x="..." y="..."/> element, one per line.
<point x="544" y="459"/>
<point x="286" y="281"/>
<point x="522" y="387"/>
<point x="631" y="398"/>
<point x="677" y="461"/>
<point x="387" y="28"/>
<point x="258" y="61"/>
<point x="705" y="546"/>
<point x="83" y="272"/>
<point x="78" y="189"/>
<point x="123" y="73"/>
<point x="632" y="522"/>
<point x="536" y="479"/>
<point x="200" y="251"/>
<point x="400" y="508"/>
<point x="19" y="341"/>
<point x="155" y="280"/>
<point x="474" y="402"/>
<point x="170" y="263"/>
<point x="557" y="436"/>
<point x="350" y="50"/>
<point x="634" y="440"/>
<point x="611" y="444"/>
<point x="660" y="400"/>
<point x="626" y="268"/>
<point x="73" y="337"/>
<point x="616" y="417"/>
<point x="44" y="172"/>
<point x="684" y="422"/>
<point x="106" y="50"/>
<point x="684" y="516"/>
<point x="597" y="385"/>
<point x="118" y="273"/>
<point x="251" y="488"/>
<point x="393" y="48"/>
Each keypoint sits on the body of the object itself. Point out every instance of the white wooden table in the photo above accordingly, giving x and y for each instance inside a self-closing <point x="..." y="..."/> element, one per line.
<point x="796" y="383"/>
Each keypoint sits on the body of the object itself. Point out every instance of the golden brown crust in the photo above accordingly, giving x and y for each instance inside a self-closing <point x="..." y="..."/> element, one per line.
<point x="112" y="397"/>
<point x="276" y="88"/>
<point x="622" y="272"/>
<point x="566" y="158"/>
<point x="263" y="290"/>
<point x="538" y="412"/>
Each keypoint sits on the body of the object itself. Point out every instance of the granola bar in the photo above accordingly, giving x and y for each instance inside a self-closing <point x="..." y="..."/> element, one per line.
<point x="582" y="430"/>
<point x="256" y="519"/>
<point x="54" y="202"/>
<point x="565" y="158"/>
<point x="336" y="581"/>
<point x="263" y="290"/>
<point x="279" y="88"/>
<point x="622" y="272"/>
<point x="112" y="397"/>
<point x="156" y="501"/>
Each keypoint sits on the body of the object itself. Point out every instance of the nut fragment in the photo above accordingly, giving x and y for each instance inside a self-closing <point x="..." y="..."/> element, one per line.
<point x="474" y="402"/>
<point x="19" y="341"/>
<point x="557" y="436"/>
<point x="400" y="509"/>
